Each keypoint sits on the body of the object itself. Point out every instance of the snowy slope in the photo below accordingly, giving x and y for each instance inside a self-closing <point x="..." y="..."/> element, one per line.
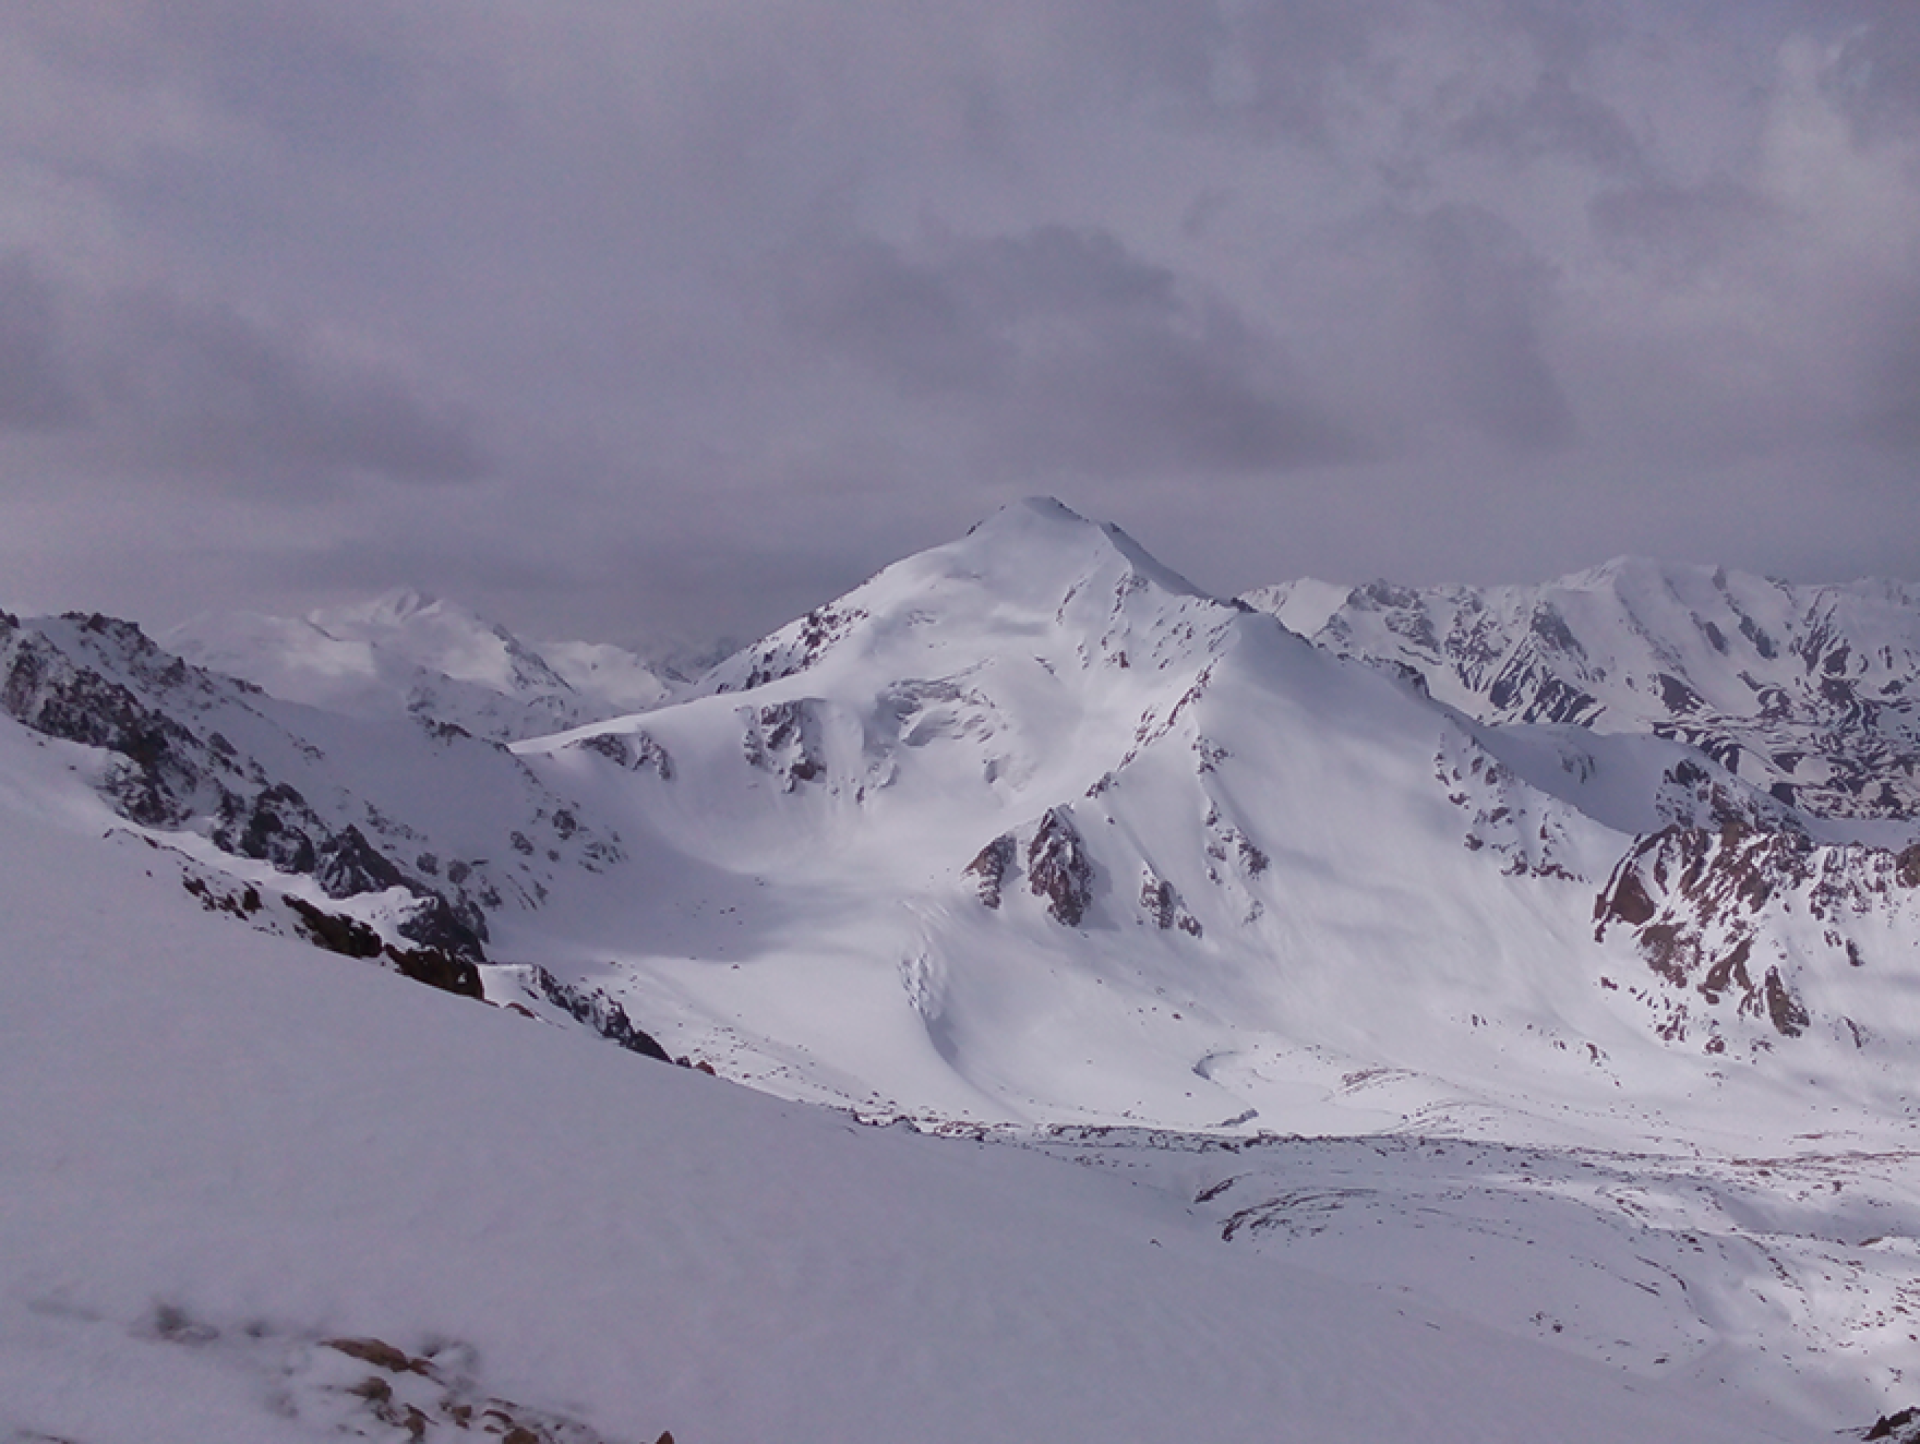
<point x="448" y="825"/>
<point x="1028" y="839"/>
<point x="1027" y="829"/>
<point x="222" y="1152"/>
<point x="390" y="839"/>
<point x="404" y="654"/>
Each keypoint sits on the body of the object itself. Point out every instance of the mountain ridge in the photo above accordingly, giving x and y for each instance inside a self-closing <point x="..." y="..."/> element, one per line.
<point x="1802" y="691"/>
<point x="406" y="653"/>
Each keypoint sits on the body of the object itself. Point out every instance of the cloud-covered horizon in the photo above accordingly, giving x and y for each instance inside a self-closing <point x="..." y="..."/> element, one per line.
<point x="682" y="319"/>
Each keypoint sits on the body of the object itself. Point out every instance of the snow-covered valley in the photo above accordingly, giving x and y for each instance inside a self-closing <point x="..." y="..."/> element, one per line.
<point x="1174" y="1026"/>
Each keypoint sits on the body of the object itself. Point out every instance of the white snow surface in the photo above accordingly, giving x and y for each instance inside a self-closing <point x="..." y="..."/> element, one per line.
<point x="220" y="1150"/>
<point x="1303" y="604"/>
<point x="408" y="653"/>
<point x="1325" y="987"/>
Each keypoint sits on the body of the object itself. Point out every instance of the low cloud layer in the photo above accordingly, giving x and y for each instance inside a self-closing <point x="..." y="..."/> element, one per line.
<point x="683" y="318"/>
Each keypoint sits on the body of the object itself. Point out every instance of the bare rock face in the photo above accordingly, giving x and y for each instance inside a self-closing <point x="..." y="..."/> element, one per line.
<point x="989" y="868"/>
<point x="1157" y="898"/>
<point x="1901" y="1427"/>
<point x="1723" y="914"/>
<point x="1228" y="844"/>
<point x="634" y="751"/>
<point x="783" y="738"/>
<point x="1161" y="902"/>
<point x="794" y="648"/>
<point x="1058" y="868"/>
<point x="589" y="1006"/>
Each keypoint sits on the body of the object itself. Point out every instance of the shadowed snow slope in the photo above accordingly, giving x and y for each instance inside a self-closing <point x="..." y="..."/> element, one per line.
<point x="221" y="1149"/>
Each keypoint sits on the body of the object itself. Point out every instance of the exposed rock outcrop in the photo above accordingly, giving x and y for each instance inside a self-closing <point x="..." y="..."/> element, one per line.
<point x="1733" y="915"/>
<point x="783" y="739"/>
<point x="588" y="1006"/>
<point x="794" y="648"/>
<point x="635" y="751"/>
<point x="1058" y="868"/>
<point x="989" y="868"/>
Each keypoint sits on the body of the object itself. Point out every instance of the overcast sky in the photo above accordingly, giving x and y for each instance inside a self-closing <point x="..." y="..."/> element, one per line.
<point x="616" y="319"/>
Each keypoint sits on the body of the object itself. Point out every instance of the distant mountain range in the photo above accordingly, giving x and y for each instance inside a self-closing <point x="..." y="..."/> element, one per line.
<point x="1806" y="693"/>
<point x="1673" y="805"/>
<point x="405" y="653"/>
<point x="1027" y="831"/>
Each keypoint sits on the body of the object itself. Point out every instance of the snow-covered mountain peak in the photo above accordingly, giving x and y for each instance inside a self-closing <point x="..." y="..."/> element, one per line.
<point x="395" y="605"/>
<point x="1629" y="572"/>
<point x="1303" y="604"/>
<point x="1049" y="534"/>
<point x="1035" y="578"/>
<point x="440" y="636"/>
<point x="405" y="652"/>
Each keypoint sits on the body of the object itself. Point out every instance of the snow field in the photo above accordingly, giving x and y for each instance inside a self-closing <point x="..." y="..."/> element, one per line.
<point x="220" y="1148"/>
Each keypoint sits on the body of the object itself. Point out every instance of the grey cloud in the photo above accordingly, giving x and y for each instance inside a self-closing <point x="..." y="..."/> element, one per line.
<point x="1269" y="68"/>
<point x="838" y="278"/>
<point x="1679" y="228"/>
<point x="1292" y="57"/>
<point x="1169" y="395"/>
<point x="303" y="75"/>
<point x="1891" y="410"/>
<point x="318" y="76"/>
<point x="1295" y="69"/>
<point x="1554" y="118"/>
<point x="1064" y="271"/>
<point x="1875" y="76"/>
<point x="146" y="377"/>
<point x="905" y="322"/>
<point x="1565" y="33"/>
<point x="1059" y="348"/>
<point x="209" y="388"/>
<point x="1483" y="292"/>
<point x="1170" y="46"/>
<point x="35" y="394"/>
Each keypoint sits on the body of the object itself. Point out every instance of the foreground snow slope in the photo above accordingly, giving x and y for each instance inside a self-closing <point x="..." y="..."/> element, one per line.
<point x="218" y="1149"/>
